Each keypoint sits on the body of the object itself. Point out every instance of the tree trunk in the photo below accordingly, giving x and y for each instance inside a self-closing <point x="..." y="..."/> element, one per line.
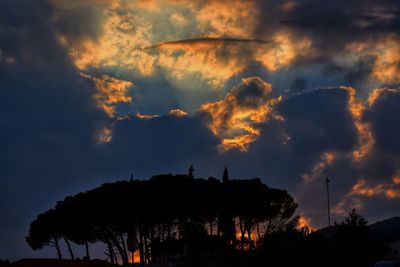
<point x="87" y="250"/>
<point x="141" y="247"/>
<point x="168" y="231"/>
<point x="57" y="248"/>
<point x="219" y="226"/>
<point x="268" y="227"/>
<point x="251" y="244"/>
<point x="124" y="258"/>
<point x="114" y="255"/>
<point x="258" y="231"/>
<point x="162" y="233"/>
<point x="242" y="232"/>
<point x="111" y="253"/>
<point x="146" y="250"/>
<point x="69" y="248"/>
<point x="124" y="247"/>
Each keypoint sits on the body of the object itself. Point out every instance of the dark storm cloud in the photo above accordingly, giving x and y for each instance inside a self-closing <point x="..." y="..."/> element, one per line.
<point x="360" y="71"/>
<point x="78" y="20"/>
<point x="383" y="115"/>
<point x="383" y="162"/>
<point x="298" y="85"/>
<point x="160" y="144"/>
<point x="332" y="26"/>
<point x="47" y="120"/>
<point x="307" y="121"/>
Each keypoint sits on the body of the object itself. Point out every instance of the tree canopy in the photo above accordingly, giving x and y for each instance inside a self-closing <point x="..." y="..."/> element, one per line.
<point x="165" y="216"/>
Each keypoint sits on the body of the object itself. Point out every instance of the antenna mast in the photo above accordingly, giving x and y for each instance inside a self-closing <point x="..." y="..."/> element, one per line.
<point x="329" y="208"/>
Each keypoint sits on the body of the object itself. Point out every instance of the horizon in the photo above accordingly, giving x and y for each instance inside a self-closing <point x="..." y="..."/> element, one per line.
<point x="292" y="92"/>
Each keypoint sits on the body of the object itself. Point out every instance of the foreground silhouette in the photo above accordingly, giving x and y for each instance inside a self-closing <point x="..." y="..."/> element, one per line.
<point x="182" y="221"/>
<point x="167" y="218"/>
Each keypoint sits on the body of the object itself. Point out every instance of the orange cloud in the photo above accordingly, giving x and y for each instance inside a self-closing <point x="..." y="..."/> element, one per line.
<point x="377" y="93"/>
<point x="120" y="45"/>
<point x="386" y="51"/>
<point x="178" y="113"/>
<point x="146" y="116"/>
<point x="219" y="59"/>
<point x="125" y="34"/>
<point x="104" y="135"/>
<point x="387" y="64"/>
<point x="389" y="190"/>
<point x="179" y="19"/>
<point x="110" y="92"/>
<point x="326" y="159"/>
<point x="234" y="118"/>
<point x="202" y="59"/>
<point x="362" y="188"/>
<point x="283" y="52"/>
<point x="237" y="18"/>
<point x="365" y="136"/>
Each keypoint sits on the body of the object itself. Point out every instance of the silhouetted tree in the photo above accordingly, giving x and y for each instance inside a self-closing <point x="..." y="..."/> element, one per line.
<point x="351" y="240"/>
<point x="225" y="175"/>
<point x="166" y="216"/>
<point x="45" y="231"/>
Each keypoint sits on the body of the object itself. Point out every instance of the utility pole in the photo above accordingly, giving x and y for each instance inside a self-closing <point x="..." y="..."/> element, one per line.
<point x="329" y="208"/>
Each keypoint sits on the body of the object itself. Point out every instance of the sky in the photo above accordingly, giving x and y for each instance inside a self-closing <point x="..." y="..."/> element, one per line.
<point x="291" y="92"/>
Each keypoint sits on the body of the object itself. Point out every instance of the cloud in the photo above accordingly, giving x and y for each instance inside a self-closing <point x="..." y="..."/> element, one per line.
<point x="370" y="28"/>
<point x="110" y="92"/>
<point x="202" y="101"/>
<point x="384" y="108"/>
<point x="158" y="144"/>
<point x="233" y="119"/>
<point x="385" y="54"/>
<point x="178" y="112"/>
<point x="238" y="19"/>
<point x="308" y="125"/>
<point x="123" y="30"/>
<point x="48" y="120"/>
<point x="363" y="190"/>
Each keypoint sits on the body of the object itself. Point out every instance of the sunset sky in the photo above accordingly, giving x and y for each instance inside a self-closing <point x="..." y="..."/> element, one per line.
<point x="288" y="91"/>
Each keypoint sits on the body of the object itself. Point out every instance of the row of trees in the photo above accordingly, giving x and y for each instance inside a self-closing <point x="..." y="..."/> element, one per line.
<point x="166" y="216"/>
<point x="345" y="244"/>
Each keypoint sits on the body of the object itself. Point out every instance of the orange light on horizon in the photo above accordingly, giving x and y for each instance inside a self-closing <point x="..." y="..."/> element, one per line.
<point x="134" y="256"/>
<point x="305" y="223"/>
<point x="246" y="236"/>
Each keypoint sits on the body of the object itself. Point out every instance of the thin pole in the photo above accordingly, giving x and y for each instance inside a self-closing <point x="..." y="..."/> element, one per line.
<point x="329" y="208"/>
